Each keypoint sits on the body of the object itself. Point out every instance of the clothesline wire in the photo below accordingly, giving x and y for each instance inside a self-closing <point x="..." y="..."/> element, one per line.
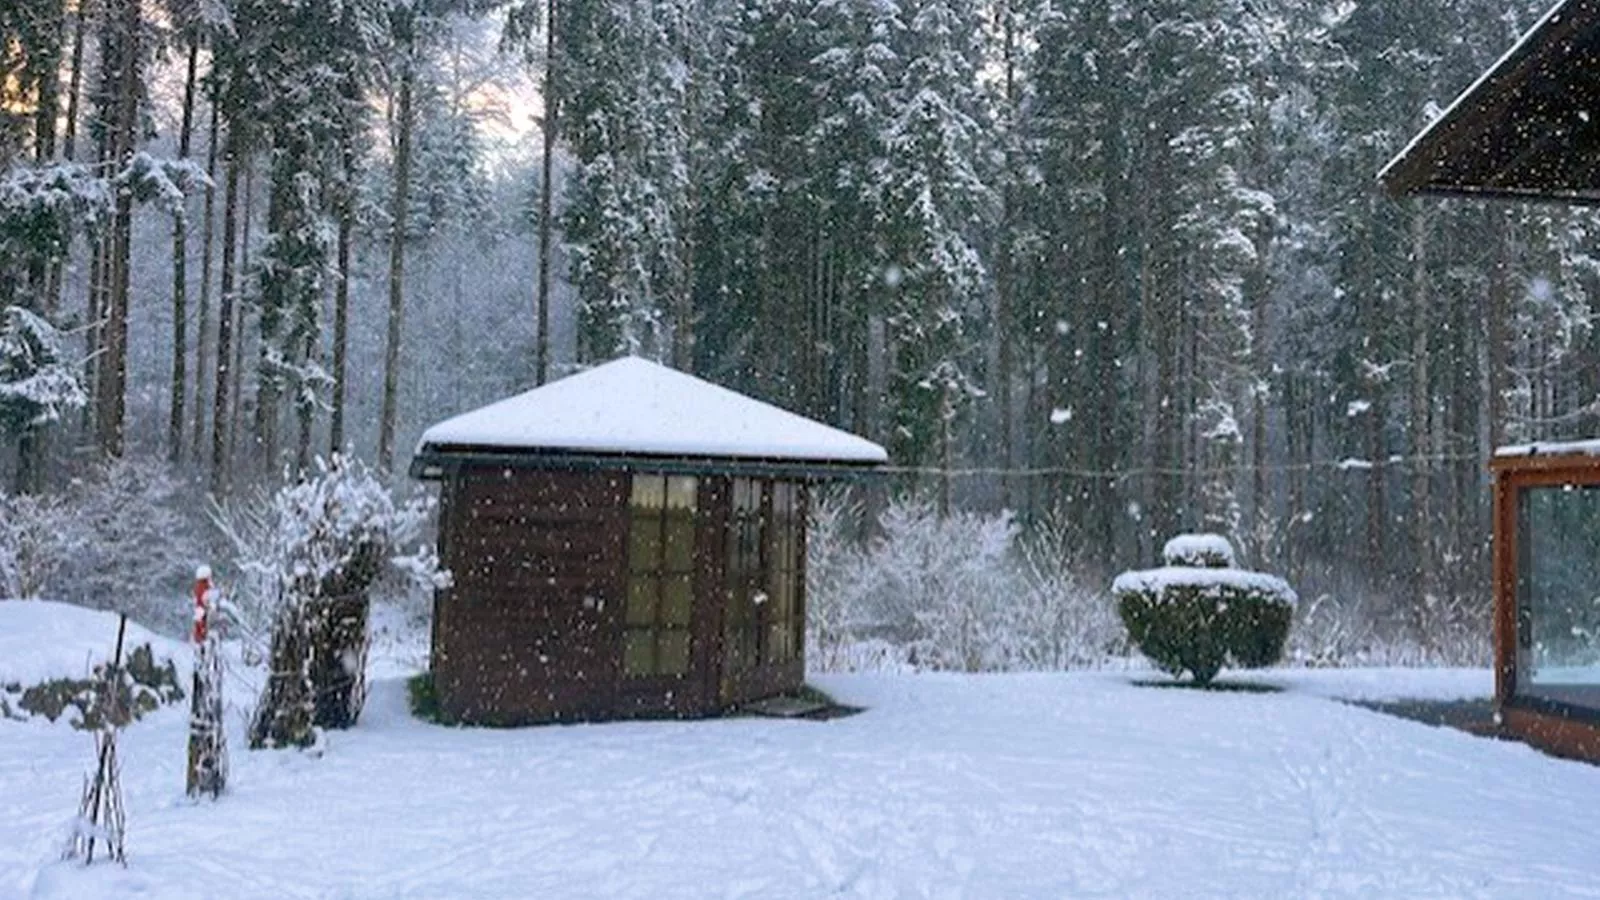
<point x="1353" y="466"/>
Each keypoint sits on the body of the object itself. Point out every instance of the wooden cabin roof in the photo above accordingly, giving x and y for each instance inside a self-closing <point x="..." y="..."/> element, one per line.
<point x="632" y="408"/>
<point x="1527" y="129"/>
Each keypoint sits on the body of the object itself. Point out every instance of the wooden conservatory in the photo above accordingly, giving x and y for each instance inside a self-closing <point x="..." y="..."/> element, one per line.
<point x="628" y="541"/>
<point x="1547" y="594"/>
<point x="1529" y="129"/>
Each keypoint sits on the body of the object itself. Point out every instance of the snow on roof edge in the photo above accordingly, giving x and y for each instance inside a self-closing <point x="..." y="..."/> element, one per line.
<point x="1550" y="15"/>
<point x="634" y="407"/>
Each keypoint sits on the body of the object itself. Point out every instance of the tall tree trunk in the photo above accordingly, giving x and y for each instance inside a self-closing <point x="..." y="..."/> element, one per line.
<point x="240" y="316"/>
<point x="220" y="409"/>
<point x="1377" y="514"/>
<point x="397" y="264"/>
<point x="1421" y="406"/>
<point x="341" y="315"/>
<point x="305" y="412"/>
<point x="42" y="273"/>
<point x="180" y="274"/>
<point x="75" y="81"/>
<point x="546" y="174"/>
<point x="1496" y="315"/>
<point x="49" y="87"/>
<point x="1005" y="259"/>
<point x="94" y="309"/>
<point x="1258" y="283"/>
<point x="270" y="316"/>
<point x="202" y="342"/>
<point x="112" y="395"/>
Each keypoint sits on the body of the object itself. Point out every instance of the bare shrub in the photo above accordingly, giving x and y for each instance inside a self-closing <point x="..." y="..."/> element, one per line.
<point x="125" y="536"/>
<point x="32" y="548"/>
<point x="1339" y="630"/>
<point x="963" y="592"/>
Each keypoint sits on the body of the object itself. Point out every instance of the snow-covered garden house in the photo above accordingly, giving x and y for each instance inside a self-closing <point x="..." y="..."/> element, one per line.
<point x="1529" y="129"/>
<point x="626" y="541"/>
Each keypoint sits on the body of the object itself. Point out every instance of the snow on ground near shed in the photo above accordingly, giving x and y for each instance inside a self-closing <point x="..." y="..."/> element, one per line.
<point x="989" y="786"/>
<point x="41" y="641"/>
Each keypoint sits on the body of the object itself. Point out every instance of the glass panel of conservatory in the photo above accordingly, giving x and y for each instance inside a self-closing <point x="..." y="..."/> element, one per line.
<point x="1558" y="594"/>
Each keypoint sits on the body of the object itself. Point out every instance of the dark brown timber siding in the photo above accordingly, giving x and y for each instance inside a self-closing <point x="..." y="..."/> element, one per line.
<point x="528" y="631"/>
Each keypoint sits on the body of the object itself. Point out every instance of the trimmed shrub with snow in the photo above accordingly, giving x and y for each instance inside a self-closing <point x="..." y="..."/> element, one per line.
<point x="1198" y="613"/>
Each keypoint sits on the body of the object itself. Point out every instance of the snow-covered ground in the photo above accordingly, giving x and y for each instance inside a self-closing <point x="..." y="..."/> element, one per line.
<point x="40" y="641"/>
<point x="980" y="786"/>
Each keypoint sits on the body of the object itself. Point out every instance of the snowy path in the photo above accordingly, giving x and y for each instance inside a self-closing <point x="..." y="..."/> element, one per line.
<point x="999" y="786"/>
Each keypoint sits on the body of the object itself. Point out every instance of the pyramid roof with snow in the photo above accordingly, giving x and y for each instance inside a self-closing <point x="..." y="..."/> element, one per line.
<point x="634" y="408"/>
<point x="1526" y="129"/>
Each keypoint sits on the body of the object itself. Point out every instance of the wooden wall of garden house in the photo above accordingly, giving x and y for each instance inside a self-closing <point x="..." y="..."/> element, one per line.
<point x="617" y="592"/>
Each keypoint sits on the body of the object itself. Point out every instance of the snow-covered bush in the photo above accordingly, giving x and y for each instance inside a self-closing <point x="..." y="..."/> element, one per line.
<point x="131" y="541"/>
<point x="30" y="544"/>
<point x="1067" y="625"/>
<point x="965" y="592"/>
<point x="1348" y="628"/>
<point x="327" y="541"/>
<point x="833" y="582"/>
<point x="125" y="536"/>
<point x="1197" y="618"/>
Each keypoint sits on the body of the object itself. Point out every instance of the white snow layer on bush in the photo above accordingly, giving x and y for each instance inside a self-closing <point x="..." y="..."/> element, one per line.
<point x="1155" y="581"/>
<point x="1193" y="546"/>
<point x="42" y="641"/>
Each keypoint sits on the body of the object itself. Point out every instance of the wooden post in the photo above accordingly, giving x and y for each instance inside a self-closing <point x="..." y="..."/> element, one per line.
<point x="207" y="769"/>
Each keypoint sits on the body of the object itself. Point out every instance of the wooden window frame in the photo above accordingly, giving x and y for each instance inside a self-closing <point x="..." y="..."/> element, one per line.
<point x="659" y="573"/>
<point x="764" y="555"/>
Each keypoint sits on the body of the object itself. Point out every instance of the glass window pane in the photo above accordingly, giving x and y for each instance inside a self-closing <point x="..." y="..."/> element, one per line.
<point x="677" y="599"/>
<point x="681" y="491"/>
<point x="644" y="545"/>
<point x="674" y="652"/>
<point x="642" y="600"/>
<point x="649" y="491"/>
<point x="680" y="543"/>
<point x="1558" y="588"/>
<point x="639" y="652"/>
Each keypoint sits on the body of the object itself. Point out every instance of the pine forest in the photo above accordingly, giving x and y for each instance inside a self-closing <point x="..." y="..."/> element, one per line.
<point x="1120" y="267"/>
